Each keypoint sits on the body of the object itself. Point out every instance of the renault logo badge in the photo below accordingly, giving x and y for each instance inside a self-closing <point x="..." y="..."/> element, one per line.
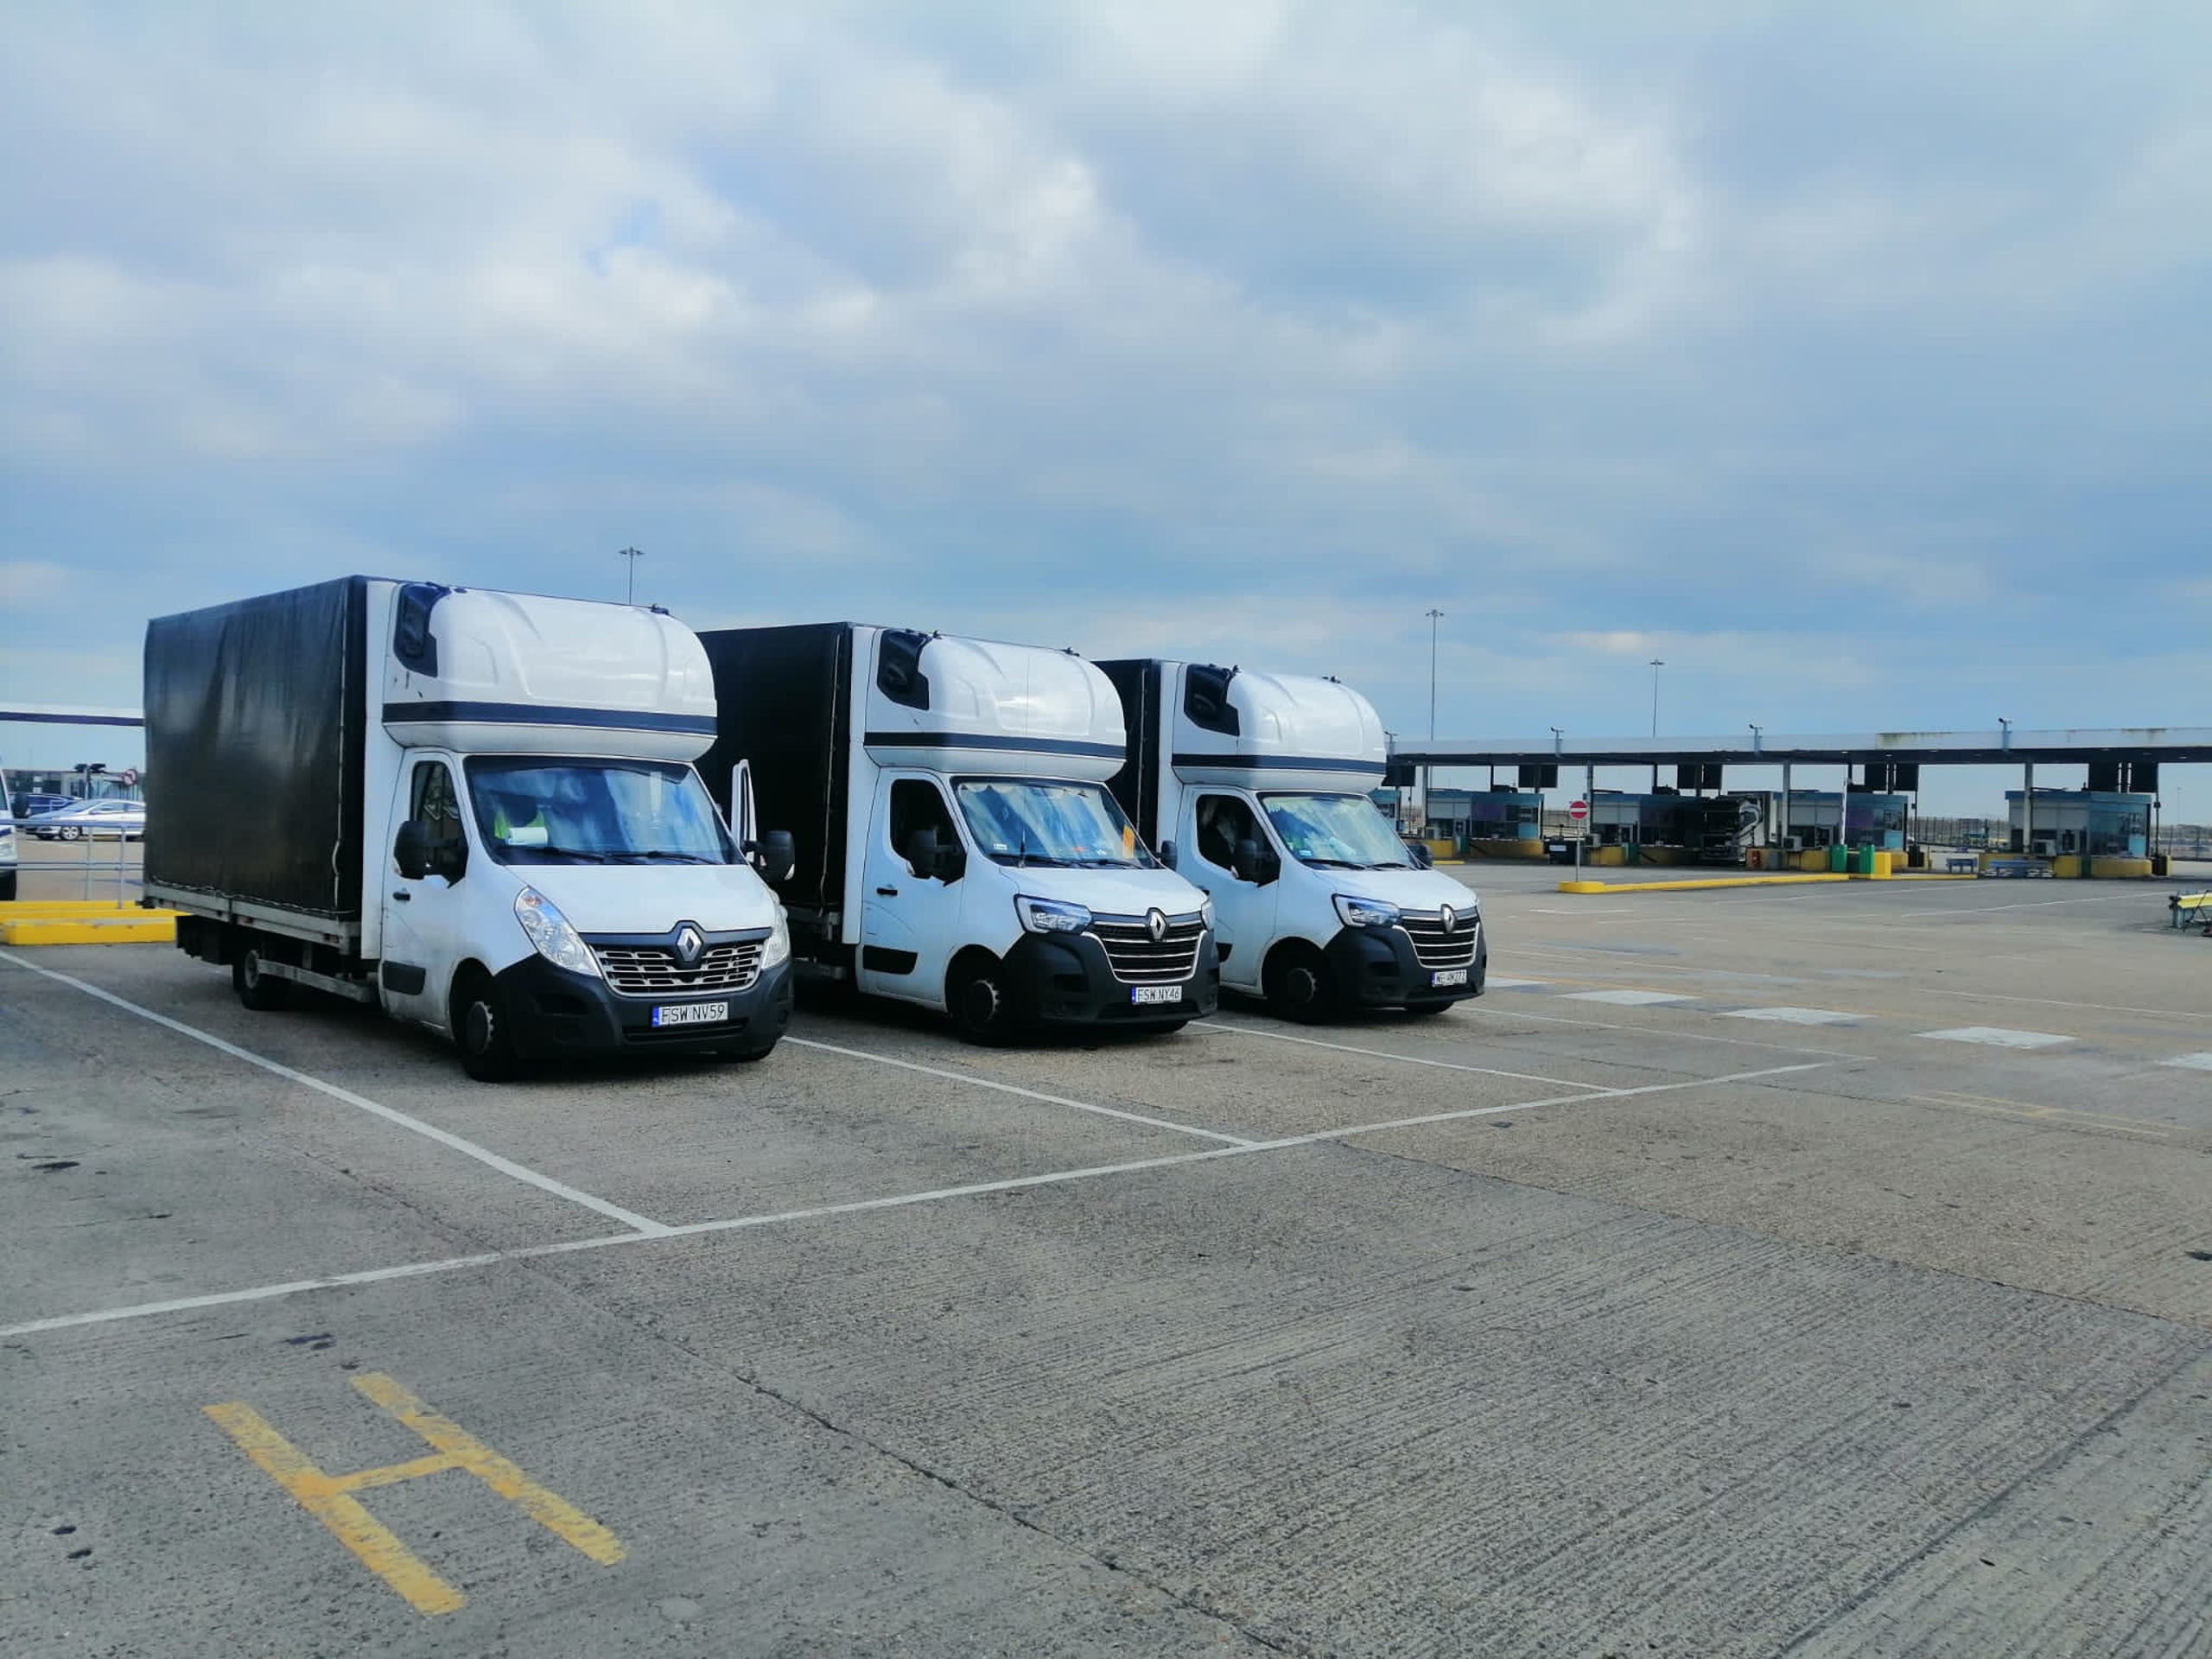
<point x="689" y="945"/>
<point x="1155" y="925"/>
<point x="1451" y="920"/>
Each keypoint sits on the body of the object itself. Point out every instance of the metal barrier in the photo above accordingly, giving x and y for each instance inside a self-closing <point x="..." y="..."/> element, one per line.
<point x="129" y="873"/>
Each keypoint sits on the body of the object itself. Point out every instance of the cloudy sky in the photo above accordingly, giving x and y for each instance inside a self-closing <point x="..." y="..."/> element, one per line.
<point x="1852" y="361"/>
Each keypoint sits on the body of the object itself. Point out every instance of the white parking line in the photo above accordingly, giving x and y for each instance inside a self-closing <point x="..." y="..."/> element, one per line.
<point x="2032" y="904"/>
<point x="1795" y="1016"/>
<point x="1499" y="983"/>
<point x="483" y="1155"/>
<point x="1999" y="1037"/>
<point x="456" y="1264"/>
<point x="1629" y="999"/>
<point x="1672" y="1033"/>
<point x="2191" y="1062"/>
<point x="1025" y="1093"/>
<point x="1385" y="1054"/>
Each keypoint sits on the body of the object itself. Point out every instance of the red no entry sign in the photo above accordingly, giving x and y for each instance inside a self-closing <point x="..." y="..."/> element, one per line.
<point x="1578" y="811"/>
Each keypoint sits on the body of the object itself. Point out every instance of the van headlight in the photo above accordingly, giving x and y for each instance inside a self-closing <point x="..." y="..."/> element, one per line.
<point x="1050" y="915"/>
<point x="550" y="932"/>
<point x="1355" y="911"/>
<point x="1205" y="915"/>
<point x="776" y="949"/>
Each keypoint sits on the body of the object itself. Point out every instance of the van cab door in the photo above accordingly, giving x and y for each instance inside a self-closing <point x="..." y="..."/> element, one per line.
<point x="910" y="916"/>
<point x="425" y="933"/>
<point x="1245" y="912"/>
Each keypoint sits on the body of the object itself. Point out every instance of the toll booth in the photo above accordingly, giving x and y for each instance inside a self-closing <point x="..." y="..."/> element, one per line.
<point x="1617" y="819"/>
<point x="1490" y="814"/>
<point x="2088" y="823"/>
<point x="1862" y="818"/>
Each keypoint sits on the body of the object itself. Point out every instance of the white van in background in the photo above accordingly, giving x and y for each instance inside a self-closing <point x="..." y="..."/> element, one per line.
<point x="1254" y="787"/>
<point x="955" y="845"/>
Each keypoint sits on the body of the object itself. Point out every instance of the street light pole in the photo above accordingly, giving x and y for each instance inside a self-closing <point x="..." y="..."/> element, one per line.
<point x="1428" y="771"/>
<point x="1655" y="666"/>
<point x="629" y="556"/>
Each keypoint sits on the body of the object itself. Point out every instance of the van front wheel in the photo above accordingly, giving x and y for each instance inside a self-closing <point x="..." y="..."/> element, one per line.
<point x="975" y="994"/>
<point x="482" y="1031"/>
<point x="1300" y="985"/>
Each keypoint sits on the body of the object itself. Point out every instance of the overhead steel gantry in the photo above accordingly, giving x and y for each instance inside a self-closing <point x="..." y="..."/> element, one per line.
<point x="2007" y="746"/>
<point x="2124" y="746"/>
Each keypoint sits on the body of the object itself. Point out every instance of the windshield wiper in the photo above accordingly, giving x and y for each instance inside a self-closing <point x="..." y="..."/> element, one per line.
<point x="643" y="853"/>
<point x="1334" y="864"/>
<point x="550" y="850"/>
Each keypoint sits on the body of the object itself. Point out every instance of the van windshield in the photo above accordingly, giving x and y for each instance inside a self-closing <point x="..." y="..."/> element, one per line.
<point x="1343" y="831"/>
<point x="542" y="812"/>
<point x="1014" y="820"/>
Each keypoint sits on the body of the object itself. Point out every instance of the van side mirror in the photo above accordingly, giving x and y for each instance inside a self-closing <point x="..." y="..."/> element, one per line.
<point x="410" y="850"/>
<point x="1167" y="854"/>
<point x="952" y="863"/>
<point x="1250" y="863"/>
<point x="1423" y="860"/>
<point x="775" y="855"/>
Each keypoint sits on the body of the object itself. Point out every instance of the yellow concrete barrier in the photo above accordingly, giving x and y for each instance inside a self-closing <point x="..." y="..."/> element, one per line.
<point x="22" y="910"/>
<point x="2114" y="866"/>
<point x="1501" y="847"/>
<point x="1743" y="881"/>
<point x="115" y="927"/>
<point x="1701" y="882"/>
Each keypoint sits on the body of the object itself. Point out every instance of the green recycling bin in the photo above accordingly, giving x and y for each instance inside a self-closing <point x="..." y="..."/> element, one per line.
<point x="1839" y="860"/>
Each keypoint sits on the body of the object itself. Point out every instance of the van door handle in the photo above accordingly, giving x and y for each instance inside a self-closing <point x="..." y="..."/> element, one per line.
<point x="887" y="893"/>
<point x="402" y="897"/>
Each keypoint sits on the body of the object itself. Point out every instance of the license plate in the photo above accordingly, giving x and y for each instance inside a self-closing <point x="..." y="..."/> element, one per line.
<point x="1144" y="995"/>
<point x="1448" y="977"/>
<point x="692" y="1013"/>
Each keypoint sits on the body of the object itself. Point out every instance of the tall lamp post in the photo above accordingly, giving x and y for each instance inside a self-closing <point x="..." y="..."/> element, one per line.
<point x="1657" y="664"/>
<point x="629" y="556"/>
<point x="1428" y="771"/>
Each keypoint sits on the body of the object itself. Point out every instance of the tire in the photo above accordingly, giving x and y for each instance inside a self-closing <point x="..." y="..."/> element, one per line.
<point x="71" y="832"/>
<point x="976" y="995"/>
<point x="263" y="992"/>
<point x="1299" y="986"/>
<point x="482" y="1031"/>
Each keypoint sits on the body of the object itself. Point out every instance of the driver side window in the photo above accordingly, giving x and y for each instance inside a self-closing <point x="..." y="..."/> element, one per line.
<point x="1222" y="821"/>
<point x="917" y="804"/>
<point x="434" y="805"/>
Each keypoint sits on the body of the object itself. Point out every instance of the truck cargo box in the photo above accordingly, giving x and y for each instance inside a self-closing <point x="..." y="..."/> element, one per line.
<point x="785" y="700"/>
<point x="255" y="715"/>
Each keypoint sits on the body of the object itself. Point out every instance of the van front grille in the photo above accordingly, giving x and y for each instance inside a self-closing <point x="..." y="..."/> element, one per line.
<point x="1432" y="946"/>
<point x="1138" y="959"/>
<point x="655" y="971"/>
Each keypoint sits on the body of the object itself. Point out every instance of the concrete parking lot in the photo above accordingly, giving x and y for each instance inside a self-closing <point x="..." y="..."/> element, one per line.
<point x="1822" y="1271"/>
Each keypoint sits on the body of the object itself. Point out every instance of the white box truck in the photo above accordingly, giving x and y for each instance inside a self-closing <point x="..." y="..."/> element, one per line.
<point x="1254" y="786"/>
<point x="954" y="843"/>
<point x="476" y="810"/>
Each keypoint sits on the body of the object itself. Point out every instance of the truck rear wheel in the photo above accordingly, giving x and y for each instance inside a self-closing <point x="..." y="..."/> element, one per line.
<point x="482" y="1031"/>
<point x="261" y="991"/>
<point x="1298" y="984"/>
<point x="977" y="995"/>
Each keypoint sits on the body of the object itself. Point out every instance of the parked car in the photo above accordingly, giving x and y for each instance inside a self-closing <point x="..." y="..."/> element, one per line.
<point x="30" y="806"/>
<point x="124" y="819"/>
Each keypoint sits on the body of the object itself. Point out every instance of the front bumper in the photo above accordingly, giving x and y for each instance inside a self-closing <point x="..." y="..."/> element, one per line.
<point x="553" y="1011"/>
<point x="1064" y="979"/>
<point x="1375" y="968"/>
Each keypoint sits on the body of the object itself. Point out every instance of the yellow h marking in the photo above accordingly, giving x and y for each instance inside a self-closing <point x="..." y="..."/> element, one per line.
<point x="329" y="1498"/>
